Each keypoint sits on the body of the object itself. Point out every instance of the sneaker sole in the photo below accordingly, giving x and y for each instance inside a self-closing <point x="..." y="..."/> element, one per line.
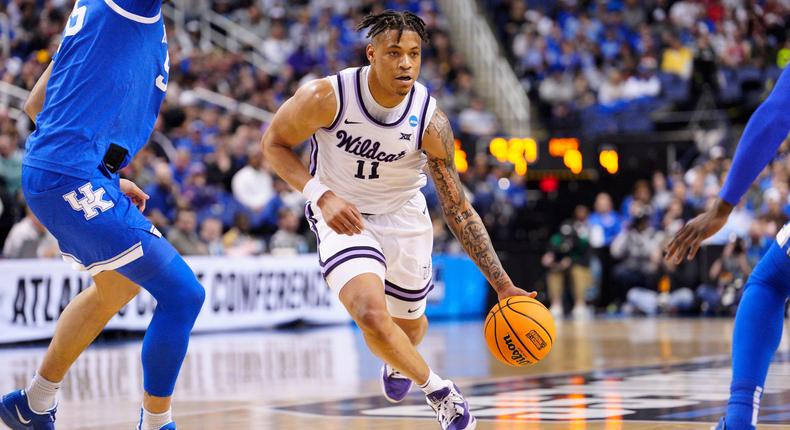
<point x="384" y="389"/>
<point x="472" y="424"/>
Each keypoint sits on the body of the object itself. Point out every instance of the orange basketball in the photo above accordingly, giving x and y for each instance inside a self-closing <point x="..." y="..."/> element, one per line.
<point x="519" y="331"/>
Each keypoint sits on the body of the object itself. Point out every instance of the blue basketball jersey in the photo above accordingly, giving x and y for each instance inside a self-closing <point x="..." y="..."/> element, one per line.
<point x="108" y="81"/>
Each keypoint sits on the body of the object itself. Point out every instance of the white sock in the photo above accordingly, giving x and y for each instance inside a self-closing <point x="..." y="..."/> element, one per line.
<point x="433" y="383"/>
<point x="42" y="394"/>
<point x="156" y="421"/>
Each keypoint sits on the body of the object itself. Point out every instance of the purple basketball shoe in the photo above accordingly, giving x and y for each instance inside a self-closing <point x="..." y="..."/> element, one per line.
<point x="396" y="386"/>
<point x="452" y="410"/>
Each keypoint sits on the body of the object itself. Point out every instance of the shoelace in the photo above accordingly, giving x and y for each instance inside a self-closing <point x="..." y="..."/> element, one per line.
<point x="448" y="408"/>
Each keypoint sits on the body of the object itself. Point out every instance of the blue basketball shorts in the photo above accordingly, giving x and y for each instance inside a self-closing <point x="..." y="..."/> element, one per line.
<point x="97" y="227"/>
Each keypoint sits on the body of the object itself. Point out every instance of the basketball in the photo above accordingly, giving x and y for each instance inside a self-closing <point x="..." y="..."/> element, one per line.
<point x="519" y="331"/>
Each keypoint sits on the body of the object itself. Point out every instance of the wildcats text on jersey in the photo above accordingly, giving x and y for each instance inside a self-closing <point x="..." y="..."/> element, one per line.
<point x="366" y="148"/>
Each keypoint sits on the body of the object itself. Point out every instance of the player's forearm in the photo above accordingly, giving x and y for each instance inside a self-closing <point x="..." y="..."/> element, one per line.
<point x="468" y="228"/>
<point x="764" y="133"/>
<point x="286" y="164"/>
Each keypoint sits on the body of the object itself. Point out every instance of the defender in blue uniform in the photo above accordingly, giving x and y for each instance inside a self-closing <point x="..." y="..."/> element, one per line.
<point x="760" y="317"/>
<point x="94" y="108"/>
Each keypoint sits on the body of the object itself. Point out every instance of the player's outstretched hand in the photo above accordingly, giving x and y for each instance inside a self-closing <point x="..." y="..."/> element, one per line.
<point x="687" y="241"/>
<point x="135" y="194"/>
<point x="515" y="291"/>
<point x="340" y="215"/>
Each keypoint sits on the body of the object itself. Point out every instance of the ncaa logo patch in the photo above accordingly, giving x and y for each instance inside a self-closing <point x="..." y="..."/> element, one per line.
<point x="413" y="120"/>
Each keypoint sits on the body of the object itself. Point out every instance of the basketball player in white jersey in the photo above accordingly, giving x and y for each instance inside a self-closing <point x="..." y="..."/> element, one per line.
<point x="372" y="131"/>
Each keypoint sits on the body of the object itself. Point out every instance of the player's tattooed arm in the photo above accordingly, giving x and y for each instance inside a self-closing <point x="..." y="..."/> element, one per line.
<point x="463" y="220"/>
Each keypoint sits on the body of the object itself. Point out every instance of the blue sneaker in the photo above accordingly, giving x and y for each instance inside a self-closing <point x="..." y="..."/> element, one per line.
<point x="396" y="386"/>
<point x="169" y="426"/>
<point x="722" y="425"/>
<point x="16" y="413"/>
<point x="452" y="410"/>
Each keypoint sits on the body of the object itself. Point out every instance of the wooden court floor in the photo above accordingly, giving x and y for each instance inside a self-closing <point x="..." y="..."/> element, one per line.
<point x="639" y="374"/>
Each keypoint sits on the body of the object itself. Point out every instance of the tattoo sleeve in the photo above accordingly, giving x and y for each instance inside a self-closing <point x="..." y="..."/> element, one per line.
<point x="461" y="217"/>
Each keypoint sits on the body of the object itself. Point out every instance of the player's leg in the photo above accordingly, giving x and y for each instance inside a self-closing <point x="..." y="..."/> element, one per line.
<point x="77" y="327"/>
<point x="758" y="331"/>
<point x="179" y="296"/>
<point x="363" y="297"/>
<point x="415" y="329"/>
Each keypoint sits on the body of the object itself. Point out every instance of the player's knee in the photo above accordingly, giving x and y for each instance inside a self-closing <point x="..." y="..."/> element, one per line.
<point x="193" y="299"/>
<point x="374" y="321"/>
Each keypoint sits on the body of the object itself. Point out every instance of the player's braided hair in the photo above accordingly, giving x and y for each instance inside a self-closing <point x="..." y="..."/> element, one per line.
<point x="393" y="20"/>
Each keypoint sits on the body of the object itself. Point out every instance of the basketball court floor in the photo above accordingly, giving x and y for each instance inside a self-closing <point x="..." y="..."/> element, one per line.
<point x="632" y="374"/>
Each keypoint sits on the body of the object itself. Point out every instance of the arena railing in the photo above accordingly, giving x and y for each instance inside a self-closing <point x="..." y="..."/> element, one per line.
<point x="495" y="80"/>
<point x="217" y="31"/>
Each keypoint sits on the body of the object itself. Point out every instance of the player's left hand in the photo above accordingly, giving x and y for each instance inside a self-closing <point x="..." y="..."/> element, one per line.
<point x="688" y="240"/>
<point x="513" y="291"/>
<point x="135" y="194"/>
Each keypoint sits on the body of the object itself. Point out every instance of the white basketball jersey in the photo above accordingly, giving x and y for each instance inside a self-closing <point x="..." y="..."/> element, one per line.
<point x="375" y="165"/>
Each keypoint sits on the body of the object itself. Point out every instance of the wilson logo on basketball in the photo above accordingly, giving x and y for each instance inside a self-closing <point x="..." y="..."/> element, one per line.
<point x="536" y="340"/>
<point x="515" y="353"/>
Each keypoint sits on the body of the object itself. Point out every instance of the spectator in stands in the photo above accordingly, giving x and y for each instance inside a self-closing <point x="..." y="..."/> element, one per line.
<point x="10" y="164"/>
<point x="604" y="225"/>
<point x="277" y="47"/>
<point x="287" y="240"/>
<point x="220" y="168"/>
<point x="181" y="164"/>
<point x="556" y="88"/>
<point x="640" y="201"/>
<point x="677" y="58"/>
<point x="29" y="239"/>
<point x="644" y="84"/>
<point x="636" y="248"/>
<point x="728" y="275"/>
<point x="197" y="194"/>
<point x="163" y="196"/>
<point x="662" y="197"/>
<point x="211" y="236"/>
<point x="253" y="185"/>
<point x="612" y="91"/>
<point x="183" y="234"/>
<point x="239" y="241"/>
<point x="567" y="259"/>
<point x="633" y="14"/>
<point x="476" y="121"/>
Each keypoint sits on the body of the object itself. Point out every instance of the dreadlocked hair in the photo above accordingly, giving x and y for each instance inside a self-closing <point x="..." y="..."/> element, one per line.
<point x="393" y="20"/>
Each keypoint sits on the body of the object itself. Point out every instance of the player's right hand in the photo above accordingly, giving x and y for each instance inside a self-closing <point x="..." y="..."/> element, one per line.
<point x="135" y="194"/>
<point x="340" y="215"/>
<point x="687" y="241"/>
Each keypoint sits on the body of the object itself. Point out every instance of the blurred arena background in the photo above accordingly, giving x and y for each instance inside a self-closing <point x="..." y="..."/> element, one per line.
<point x="588" y="133"/>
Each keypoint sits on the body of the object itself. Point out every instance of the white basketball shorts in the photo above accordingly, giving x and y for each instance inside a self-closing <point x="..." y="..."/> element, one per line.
<point x="395" y="246"/>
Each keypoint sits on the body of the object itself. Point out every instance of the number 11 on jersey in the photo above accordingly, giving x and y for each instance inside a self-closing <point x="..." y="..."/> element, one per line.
<point x="374" y="166"/>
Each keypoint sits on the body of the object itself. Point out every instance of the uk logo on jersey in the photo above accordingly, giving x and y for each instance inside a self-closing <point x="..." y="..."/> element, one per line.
<point x="91" y="202"/>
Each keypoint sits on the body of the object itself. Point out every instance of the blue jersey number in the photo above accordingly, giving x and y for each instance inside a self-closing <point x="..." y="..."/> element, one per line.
<point x="76" y="20"/>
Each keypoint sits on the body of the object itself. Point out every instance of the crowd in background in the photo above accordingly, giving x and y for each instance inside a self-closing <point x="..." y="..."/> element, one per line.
<point x="612" y="256"/>
<point x="212" y="192"/>
<point x="597" y="67"/>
